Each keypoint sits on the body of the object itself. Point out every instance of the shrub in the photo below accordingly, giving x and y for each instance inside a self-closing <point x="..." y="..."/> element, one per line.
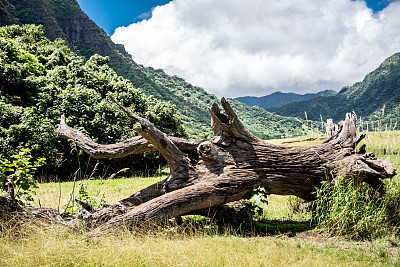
<point x="72" y="207"/>
<point x="42" y="79"/>
<point x="358" y="211"/>
<point x="21" y="170"/>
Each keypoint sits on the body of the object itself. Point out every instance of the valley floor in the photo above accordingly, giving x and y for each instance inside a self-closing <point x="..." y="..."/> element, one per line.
<point x="282" y="237"/>
<point x="288" y="239"/>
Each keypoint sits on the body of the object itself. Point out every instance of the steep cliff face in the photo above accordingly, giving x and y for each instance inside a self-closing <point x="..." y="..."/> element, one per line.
<point x="60" y="19"/>
<point x="6" y="11"/>
<point x="32" y="12"/>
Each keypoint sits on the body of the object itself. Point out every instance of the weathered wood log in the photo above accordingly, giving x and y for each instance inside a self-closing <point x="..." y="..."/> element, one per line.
<point x="8" y="203"/>
<point x="331" y="128"/>
<point x="234" y="163"/>
<point x="9" y="208"/>
<point x="134" y="145"/>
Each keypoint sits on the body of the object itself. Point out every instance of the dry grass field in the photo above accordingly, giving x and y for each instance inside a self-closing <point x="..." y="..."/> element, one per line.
<point x="283" y="237"/>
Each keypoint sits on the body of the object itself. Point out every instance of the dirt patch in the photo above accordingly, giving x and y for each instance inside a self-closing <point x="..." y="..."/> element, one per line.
<point x="316" y="237"/>
<point x="391" y="246"/>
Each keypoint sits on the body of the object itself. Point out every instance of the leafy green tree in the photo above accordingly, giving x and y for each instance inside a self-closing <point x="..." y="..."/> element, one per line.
<point x="42" y="79"/>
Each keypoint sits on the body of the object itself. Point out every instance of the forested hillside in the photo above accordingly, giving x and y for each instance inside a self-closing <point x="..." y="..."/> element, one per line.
<point x="64" y="19"/>
<point x="376" y="99"/>
<point x="278" y="99"/>
<point x="41" y="79"/>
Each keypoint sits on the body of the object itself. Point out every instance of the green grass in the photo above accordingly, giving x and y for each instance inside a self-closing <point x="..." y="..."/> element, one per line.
<point x="57" y="246"/>
<point x="281" y="237"/>
<point x="277" y="246"/>
<point x="54" y="195"/>
<point x="385" y="145"/>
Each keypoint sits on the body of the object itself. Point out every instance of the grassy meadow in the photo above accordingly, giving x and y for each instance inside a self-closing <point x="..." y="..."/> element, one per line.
<point x="282" y="235"/>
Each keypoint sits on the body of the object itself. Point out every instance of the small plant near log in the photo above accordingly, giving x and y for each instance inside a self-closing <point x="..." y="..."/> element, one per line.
<point x="254" y="200"/>
<point x="21" y="169"/>
<point x="84" y="197"/>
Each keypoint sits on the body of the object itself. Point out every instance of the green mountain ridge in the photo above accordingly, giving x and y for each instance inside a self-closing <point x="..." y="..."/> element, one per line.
<point x="375" y="99"/>
<point x="64" y="19"/>
<point x="278" y="99"/>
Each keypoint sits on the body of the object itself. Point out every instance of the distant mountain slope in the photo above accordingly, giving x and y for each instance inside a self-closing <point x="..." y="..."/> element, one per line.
<point x="279" y="99"/>
<point x="379" y="90"/>
<point x="64" y="19"/>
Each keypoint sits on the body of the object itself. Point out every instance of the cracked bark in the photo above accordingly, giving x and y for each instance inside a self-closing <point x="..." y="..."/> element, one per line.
<point x="232" y="164"/>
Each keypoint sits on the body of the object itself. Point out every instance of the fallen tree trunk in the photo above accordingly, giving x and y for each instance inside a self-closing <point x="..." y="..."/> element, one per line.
<point x="234" y="163"/>
<point x="11" y="211"/>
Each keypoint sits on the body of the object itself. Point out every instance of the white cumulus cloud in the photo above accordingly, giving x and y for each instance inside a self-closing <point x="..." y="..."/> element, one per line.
<point x="255" y="47"/>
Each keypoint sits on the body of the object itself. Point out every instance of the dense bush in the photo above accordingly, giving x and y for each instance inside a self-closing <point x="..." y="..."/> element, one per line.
<point x="358" y="211"/>
<point x="42" y="79"/>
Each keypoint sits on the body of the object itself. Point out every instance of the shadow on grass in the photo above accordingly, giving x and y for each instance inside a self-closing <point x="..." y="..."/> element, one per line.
<point x="204" y="225"/>
<point x="281" y="227"/>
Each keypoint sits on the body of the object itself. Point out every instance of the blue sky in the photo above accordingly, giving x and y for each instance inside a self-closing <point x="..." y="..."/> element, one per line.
<point x="110" y="14"/>
<point x="377" y="5"/>
<point x="255" y="47"/>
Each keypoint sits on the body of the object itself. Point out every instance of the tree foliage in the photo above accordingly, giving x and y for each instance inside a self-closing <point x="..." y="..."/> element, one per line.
<point x="42" y="79"/>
